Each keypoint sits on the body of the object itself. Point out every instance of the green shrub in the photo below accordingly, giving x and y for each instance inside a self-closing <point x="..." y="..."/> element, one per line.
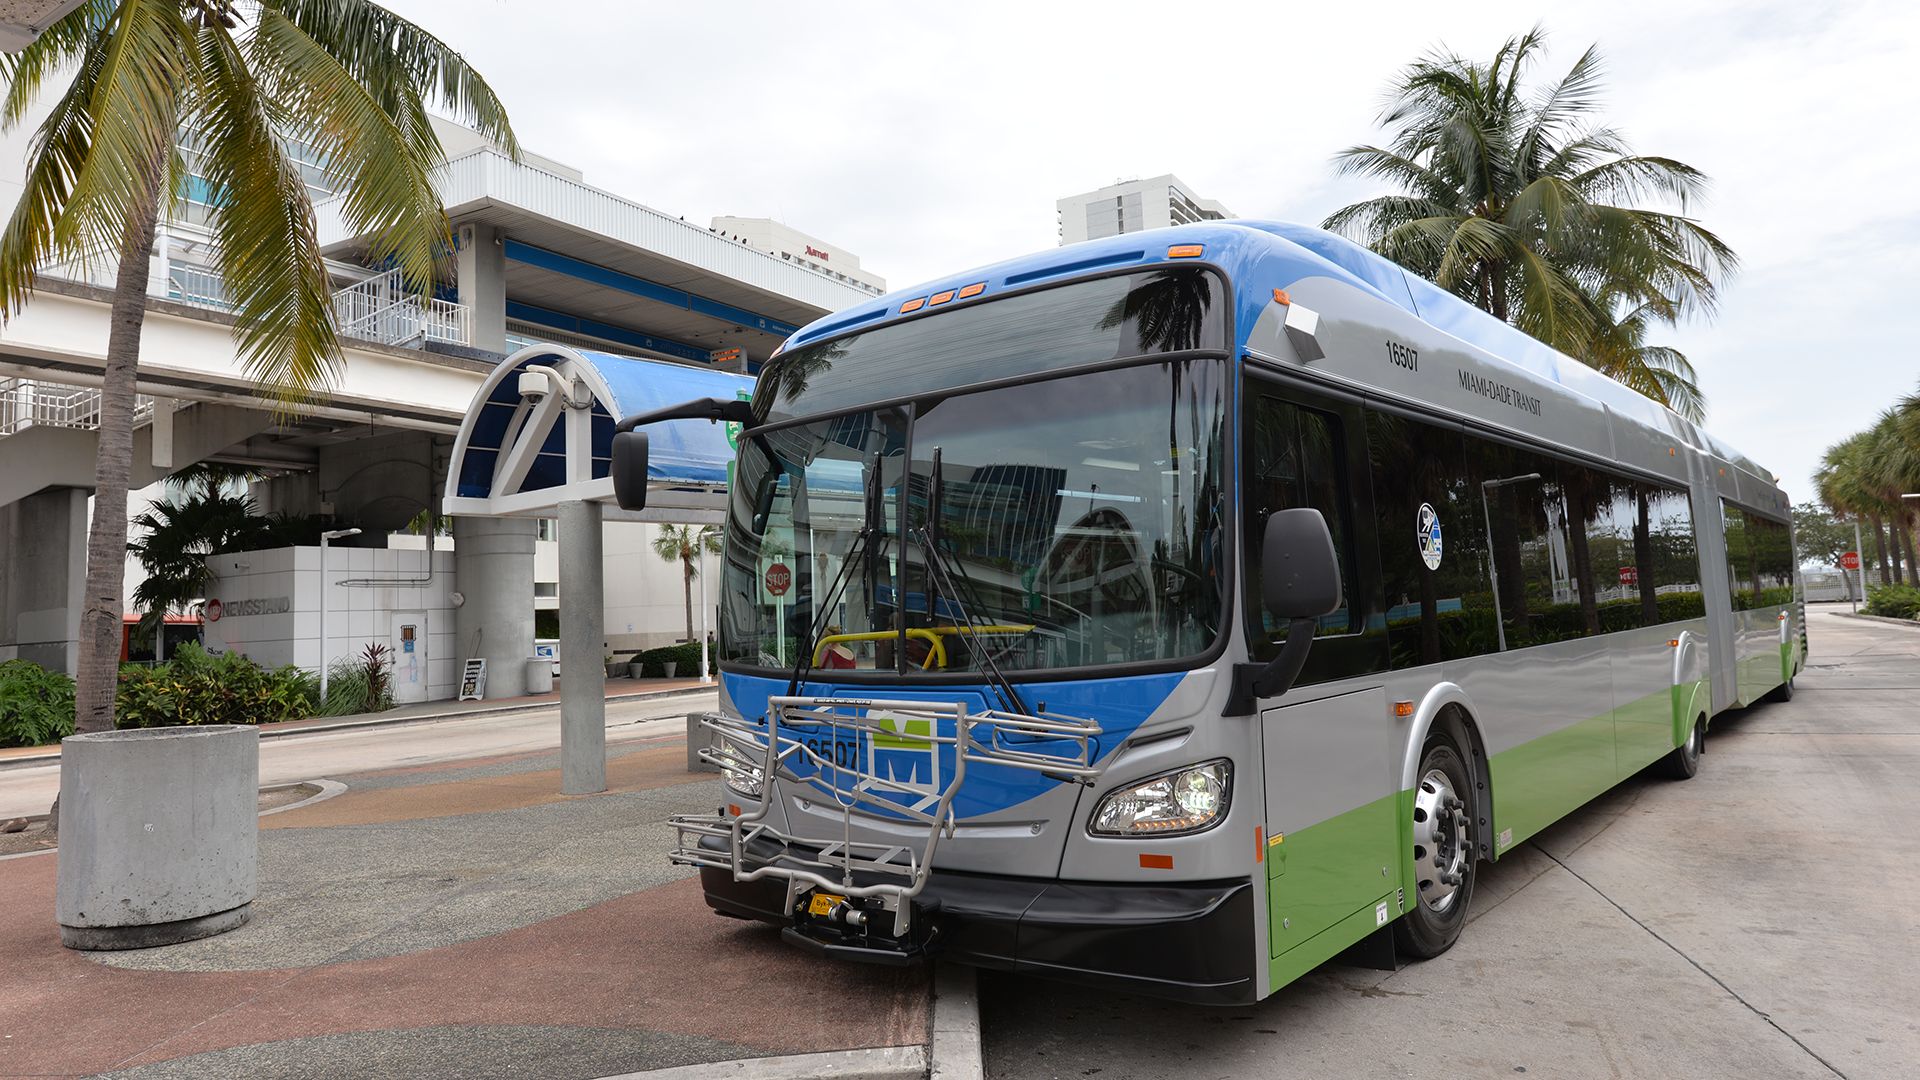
<point x="36" y="705"/>
<point x="195" y="688"/>
<point x="686" y="656"/>
<point x="359" y="684"/>
<point x="1894" y="601"/>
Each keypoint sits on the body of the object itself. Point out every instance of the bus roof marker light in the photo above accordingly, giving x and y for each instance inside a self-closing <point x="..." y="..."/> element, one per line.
<point x="1280" y="297"/>
<point x="1303" y="333"/>
<point x="1185" y="251"/>
<point x="913" y="305"/>
<point x="941" y="298"/>
<point x="974" y="289"/>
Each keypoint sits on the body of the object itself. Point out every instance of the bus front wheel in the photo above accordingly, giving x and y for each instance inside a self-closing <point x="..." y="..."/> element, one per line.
<point x="1444" y="854"/>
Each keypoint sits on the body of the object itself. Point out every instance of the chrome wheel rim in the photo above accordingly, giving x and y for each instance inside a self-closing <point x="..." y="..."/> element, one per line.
<point x="1442" y="842"/>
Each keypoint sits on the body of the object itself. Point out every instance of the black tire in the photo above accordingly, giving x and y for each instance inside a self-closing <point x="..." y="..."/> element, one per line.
<point x="1783" y="692"/>
<point x="1684" y="761"/>
<point x="1443" y="832"/>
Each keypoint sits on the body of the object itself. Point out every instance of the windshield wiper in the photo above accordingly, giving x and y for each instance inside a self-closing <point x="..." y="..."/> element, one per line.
<point x="866" y="550"/>
<point x="928" y="537"/>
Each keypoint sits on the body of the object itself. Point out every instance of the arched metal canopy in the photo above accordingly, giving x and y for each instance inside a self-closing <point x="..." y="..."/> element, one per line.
<point x="522" y="455"/>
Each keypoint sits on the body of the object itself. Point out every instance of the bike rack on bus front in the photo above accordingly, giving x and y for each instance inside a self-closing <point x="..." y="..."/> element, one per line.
<point x="890" y="875"/>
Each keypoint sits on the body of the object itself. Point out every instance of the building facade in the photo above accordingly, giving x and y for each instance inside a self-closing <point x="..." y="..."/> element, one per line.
<point x="1133" y="206"/>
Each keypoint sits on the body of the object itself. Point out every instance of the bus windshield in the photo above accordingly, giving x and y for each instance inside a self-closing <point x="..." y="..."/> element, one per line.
<point x="1075" y="521"/>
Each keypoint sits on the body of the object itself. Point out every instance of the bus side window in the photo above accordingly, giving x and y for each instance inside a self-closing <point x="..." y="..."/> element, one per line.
<point x="1298" y="456"/>
<point x="1433" y="547"/>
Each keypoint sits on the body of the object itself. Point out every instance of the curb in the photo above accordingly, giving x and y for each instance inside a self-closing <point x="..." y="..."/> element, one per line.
<point x="882" y="1063"/>
<point x="328" y="789"/>
<point x="956" y="1023"/>
<point x="304" y="727"/>
<point x="1911" y="624"/>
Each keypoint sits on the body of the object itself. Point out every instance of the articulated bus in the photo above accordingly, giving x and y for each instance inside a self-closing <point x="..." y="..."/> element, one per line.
<point x="1178" y="611"/>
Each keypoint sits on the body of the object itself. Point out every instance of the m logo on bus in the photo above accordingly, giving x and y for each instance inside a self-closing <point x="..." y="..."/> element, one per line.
<point x="1427" y="524"/>
<point x="904" y="754"/>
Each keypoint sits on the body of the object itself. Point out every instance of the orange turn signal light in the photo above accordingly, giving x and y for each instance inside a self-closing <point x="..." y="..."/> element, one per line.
<point x="913" y="305"/>
<point x="734" y="810"/>
<point x="1403" y="708"/>
<point x="1673" y="644"/>
<point x="1157" y="862"/>
<point x="974" y="289"/>
<point x="1280" y="297"/>
<point x="1185" y="251"/>
<point x="941" y="298"/>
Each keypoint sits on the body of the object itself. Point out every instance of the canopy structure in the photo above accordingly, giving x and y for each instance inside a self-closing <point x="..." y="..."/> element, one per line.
<point x="540" y="432"/>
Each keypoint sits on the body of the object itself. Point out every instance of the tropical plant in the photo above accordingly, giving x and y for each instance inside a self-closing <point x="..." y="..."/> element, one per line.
<point x="243" y="77"/>
<point x="1894" y="601"/>
<point x="176" y="535"/>
<point x="1520" y="203"/>
<point x="197" y="688"/>
<point x="1865" y="476"/>
<point x="360" y="684"/>
<point x="683" y="544"/>
<point x="36" y="705"/>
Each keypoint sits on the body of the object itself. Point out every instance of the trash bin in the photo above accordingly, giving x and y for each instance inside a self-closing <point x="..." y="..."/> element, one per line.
<point x="539" y="676"/>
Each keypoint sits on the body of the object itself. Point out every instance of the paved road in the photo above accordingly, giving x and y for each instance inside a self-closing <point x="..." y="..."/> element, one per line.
<point x="289" y="759"/>
<point x="1755" y="921"/>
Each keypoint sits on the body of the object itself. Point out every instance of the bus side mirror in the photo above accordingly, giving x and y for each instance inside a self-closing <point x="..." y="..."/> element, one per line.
<point x="1299" y="571"/>
<point x="1300" y="581"/>
<point x="630" y="469"/>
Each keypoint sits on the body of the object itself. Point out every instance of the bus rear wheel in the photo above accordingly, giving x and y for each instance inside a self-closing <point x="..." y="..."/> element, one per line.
<point x="1684" y="762"/>
<point x="1444" y="854"/>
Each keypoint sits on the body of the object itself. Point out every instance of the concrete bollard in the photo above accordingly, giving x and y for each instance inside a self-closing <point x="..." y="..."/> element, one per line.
<point x="159" y="835"/>
<point x="539" y="677"/>
<point x="698" y="739"/>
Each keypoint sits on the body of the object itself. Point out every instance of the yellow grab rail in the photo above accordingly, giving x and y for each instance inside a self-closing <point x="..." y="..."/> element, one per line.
<point x="937" y="649"/>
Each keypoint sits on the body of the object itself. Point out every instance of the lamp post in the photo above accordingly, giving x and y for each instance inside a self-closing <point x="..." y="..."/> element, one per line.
<point x="324" y="537"/>
<point x="1493" y="561"/>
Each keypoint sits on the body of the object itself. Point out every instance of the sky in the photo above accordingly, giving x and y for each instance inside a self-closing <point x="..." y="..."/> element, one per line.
<point x="930" y="138"/>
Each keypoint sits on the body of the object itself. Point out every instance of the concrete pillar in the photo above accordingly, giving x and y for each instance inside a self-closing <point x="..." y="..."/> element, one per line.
<point x="43" y="557"/>
<point x="583" y="691"/>
<point x="481" y="269"/>
<point x="493" y="571"/>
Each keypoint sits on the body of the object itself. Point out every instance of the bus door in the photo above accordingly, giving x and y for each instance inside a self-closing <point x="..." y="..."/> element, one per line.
<point x="1327" y="751"/>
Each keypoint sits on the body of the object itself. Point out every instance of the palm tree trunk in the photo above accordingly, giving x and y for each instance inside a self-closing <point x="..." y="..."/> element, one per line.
<point x="1913" y="565"/>
<point x="100" y="617"/>
<point x="686" y="588"/>
<point x="1880" y="548"/>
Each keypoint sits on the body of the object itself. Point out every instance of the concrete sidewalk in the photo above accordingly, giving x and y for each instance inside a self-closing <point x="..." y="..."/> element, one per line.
<point x="617" y="691"/>
<point x="462" y="920"/>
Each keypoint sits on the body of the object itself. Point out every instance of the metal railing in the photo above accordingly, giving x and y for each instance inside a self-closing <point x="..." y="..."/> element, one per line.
<point x="26" y="403"/>
<point x="196" y="286"/>
<point x="380" y="309"/>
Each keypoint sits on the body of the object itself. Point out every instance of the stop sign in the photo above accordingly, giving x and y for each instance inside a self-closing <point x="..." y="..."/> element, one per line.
<point x="779" y="579"/>
<point x="1850" y="561"/>
<point x="1629" y="575"/>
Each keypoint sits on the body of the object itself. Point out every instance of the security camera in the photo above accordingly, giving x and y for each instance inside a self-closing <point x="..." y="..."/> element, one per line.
<point x="534" y="385"/>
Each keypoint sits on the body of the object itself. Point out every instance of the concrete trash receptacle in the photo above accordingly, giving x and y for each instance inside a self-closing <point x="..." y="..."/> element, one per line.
<point x="539" y="676"/>
<point x="159" y="835"/>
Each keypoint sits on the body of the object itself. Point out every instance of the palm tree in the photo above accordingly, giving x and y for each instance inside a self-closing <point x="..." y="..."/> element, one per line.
<point x="346" y="77"/>
<point x="683" y="544"/>
<point x="1861" y="477"/>
<point x="1521" y="205"/>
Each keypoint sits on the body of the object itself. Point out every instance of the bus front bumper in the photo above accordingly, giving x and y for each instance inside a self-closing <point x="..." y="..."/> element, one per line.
<point x="1188" y="941"/>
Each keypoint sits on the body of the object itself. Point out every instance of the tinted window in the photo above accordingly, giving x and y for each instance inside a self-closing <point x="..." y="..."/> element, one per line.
<point x="1305" y="456"/>
<point x="1170" y="310"/>
<point x="1659" y="571"/>
<point x="1759" y="559"/>
<point x="1439" y="602"/>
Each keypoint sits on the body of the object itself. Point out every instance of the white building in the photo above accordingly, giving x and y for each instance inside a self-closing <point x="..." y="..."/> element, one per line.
<point x="1134" y="206"/>
<point x="794" y="246"/>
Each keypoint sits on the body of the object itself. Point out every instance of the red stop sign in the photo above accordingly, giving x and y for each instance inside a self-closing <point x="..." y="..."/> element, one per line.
<point x="1850" y="561"/>
<point x="779" y="579"/>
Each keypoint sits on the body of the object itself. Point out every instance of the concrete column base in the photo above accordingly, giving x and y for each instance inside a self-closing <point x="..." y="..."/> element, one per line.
<point x="109" y="938"/>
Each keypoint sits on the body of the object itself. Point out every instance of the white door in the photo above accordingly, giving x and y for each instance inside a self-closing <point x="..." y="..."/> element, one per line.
<point x="409" y="657"/>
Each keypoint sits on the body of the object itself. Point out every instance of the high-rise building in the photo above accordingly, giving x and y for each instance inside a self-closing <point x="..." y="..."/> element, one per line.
<point x="807" y="252"/>
<point x="1132" y="206"/>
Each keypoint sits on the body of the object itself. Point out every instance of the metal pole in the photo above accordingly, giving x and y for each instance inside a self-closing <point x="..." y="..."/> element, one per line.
<point x="324" y="537"/>
<point x="705" y="669"/>
<point x="583" y="621"/>
<point x="1860" y="554"/>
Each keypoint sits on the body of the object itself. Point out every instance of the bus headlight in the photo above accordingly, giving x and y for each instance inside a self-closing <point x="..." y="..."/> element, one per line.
<point x="1187" y="801"/>
<point x="742" y="778"/>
